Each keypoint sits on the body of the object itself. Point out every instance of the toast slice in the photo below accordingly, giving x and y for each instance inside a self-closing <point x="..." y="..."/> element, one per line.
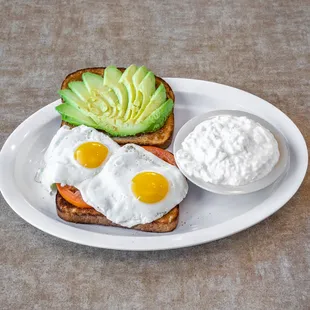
<point x="70" y="213"/>
<point x="161" y="138"/>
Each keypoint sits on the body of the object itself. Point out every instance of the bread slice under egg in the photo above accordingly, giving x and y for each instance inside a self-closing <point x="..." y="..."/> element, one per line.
<point x="70" y="213"/>
<point x="161" y="138"/>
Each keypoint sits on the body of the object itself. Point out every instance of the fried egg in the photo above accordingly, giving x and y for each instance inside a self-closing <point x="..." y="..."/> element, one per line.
<point x="134" y="187"/>
<point x="75" y="155"/>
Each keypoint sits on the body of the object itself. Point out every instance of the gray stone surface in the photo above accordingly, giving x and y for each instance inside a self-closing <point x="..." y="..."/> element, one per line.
<point x="259" y="46"/>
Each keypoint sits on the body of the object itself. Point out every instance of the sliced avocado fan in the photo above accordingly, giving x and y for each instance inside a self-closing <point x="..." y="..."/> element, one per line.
<point x="121" y="104"/>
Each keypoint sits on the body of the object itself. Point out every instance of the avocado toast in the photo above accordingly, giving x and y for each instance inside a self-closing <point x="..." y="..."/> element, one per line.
<point x="135" y="106"/>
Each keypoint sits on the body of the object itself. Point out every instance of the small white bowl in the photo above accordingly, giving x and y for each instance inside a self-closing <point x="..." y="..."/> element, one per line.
<point x="279" y="170"/>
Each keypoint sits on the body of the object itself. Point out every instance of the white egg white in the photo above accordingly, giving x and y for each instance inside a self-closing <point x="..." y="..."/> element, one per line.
<point x="59" y="162"/>
<point x="110" y="191"/>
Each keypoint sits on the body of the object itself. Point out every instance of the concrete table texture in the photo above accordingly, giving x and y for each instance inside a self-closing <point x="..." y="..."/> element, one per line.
<point x="262" y="47"/>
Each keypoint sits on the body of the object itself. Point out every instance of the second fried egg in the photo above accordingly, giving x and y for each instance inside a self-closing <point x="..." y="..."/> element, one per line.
<point x="134" y="187"/>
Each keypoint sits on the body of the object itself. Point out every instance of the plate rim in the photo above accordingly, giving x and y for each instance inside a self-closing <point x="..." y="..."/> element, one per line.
<point x="141" y="243"/>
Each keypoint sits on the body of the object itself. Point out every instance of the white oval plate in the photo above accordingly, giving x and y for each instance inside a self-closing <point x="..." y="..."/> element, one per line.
<point x="204" y="216"/>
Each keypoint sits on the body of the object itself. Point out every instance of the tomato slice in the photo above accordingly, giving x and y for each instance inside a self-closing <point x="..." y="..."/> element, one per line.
<point x="73" y="195"/>
<point x="162" y="154"/>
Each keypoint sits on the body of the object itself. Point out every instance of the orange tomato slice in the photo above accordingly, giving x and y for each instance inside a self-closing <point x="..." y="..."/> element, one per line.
<point x="162" y="154"/>
<point x="72" y="195"/>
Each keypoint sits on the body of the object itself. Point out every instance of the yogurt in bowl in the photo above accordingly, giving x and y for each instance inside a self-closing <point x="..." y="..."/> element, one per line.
<point x="231" y="152"/>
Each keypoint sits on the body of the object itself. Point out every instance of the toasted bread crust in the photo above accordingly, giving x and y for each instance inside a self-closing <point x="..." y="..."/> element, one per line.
<point x="161" y="138"/>
<point x="70" y="213"/>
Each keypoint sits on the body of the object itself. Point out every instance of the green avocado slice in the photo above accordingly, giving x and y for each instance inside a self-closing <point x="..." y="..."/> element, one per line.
<point x="71" y="98"/>
<point x="147" y="89"/>
<point x="158" y="98"/>
<point x="111" y="79"/>
<point x="92" y="81"/>
<point x="92" y="106"/>
<point x="127" y="80"/>
<point x="79" y="88"/>
<point x="137" y="79"/>
<point x="158" y="117"/>
<point x="73" y="116"/>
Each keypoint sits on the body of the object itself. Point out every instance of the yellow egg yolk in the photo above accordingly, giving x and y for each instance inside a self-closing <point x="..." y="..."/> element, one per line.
<point x="150" y="187"/>
<point x="91" y="154"/>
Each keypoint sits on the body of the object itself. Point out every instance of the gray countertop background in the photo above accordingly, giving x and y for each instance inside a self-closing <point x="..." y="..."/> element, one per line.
<point x="262" y="47"/>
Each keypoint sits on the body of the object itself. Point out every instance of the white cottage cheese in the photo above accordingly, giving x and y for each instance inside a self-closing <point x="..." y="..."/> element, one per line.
<point x="228" y="150"/>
